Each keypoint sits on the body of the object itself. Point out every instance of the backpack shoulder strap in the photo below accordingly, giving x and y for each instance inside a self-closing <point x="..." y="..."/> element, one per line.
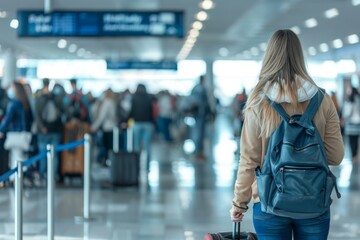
<point x="313" y="106"/>
<point x="280" y="110"/>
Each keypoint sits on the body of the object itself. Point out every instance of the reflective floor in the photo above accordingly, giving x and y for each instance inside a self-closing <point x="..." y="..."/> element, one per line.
<point x="183" y="198"/>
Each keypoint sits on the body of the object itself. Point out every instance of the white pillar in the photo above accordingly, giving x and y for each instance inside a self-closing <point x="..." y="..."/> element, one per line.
<point x="9" y="68"/>
<point x="47" y="6"/>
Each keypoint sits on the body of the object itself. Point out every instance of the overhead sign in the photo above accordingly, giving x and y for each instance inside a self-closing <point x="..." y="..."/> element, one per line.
<point x="95" y="24"/>
<point x="162" y="65"/>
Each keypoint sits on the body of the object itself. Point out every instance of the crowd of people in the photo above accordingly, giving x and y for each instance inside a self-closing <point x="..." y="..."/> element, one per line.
<point x="45" y="112"/>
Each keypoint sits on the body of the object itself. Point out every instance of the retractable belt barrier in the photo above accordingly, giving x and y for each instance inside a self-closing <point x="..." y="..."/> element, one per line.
<point x="40" y="156"/>
<point x="49" y="154"/>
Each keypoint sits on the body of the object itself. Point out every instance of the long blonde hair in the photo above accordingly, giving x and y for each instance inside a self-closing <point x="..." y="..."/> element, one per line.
<point x="283" y="63"/>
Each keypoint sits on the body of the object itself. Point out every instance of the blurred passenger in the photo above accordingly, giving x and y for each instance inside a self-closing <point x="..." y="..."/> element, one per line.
<point x="165" y="105"/>
<point x="92" y="101"/>
<point x="106" y="121"/>
<point x="283" y="79"/>
<point x="123" y="109"/>
<point x="125" y="103"/>
<point x="200" y="109"/>
<point x="238" y="106"/>
<point x="4" y="156"/>
<point x="59" y="90"/>
<point x="142" y="114"/>
<point x="18" y="118"/>
<point x="4" y="100"/>
<point x="77" y="104"/>
<point x="351" y="115"/>
<point x="34" y="142"/>
<point x="49" y="121"/>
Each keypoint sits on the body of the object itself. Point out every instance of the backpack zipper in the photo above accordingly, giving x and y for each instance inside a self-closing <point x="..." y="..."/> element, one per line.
<point x="292" y="168"/>
<point x="302" y="148"/>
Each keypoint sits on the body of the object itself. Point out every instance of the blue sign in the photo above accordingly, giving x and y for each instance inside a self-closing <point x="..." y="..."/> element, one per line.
<point x="95" y="24"/>
<point x="162" y="65"/>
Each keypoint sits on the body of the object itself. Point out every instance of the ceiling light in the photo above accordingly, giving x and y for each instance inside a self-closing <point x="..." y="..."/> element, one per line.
<point x="194" y="33"/>
<point x="296" y="30"/>
<point x="191" y="40"/>
<point x="189" y="45"/>
<point x="223" y="52"/>
<point x="72" y="48"/>
<point x="355" y="2"/>
<point x="254" y="51"/>
<point x="201" y="16"/>
<point x="311" y="22"/>
<point x="263" y="46"/>
<point x="338" y="43"/>
<point x="81" y="52"/>
<point x="3" y="14"/>
<point x="331" y="13"/>
<point x="352" y="39"/>
<point x="312" y="51"/>
<point x="207" y="4"/>
<point x="62" y="43"/>
<point x="246" y="54"/>
<point x="324" y="47"/>
<point x="87" y="54"/>
<point x="14" y="23"/>
<point x="197" y="25"/>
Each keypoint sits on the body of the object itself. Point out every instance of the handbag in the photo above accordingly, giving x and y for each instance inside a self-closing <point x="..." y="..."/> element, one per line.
<point x="18" y="140"/>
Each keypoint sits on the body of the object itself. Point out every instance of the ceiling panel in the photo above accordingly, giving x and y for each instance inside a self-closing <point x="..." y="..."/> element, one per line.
<point x="232" y="24"/>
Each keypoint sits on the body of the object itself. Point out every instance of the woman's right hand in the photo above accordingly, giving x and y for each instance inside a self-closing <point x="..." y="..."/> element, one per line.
<point x="236" y="216"/>
<point x="1" y="134"/>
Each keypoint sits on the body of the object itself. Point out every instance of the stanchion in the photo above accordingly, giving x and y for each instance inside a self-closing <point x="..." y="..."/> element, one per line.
<point x="86" y="217"/>
<point x="50" y="191"/>
<point x="18" y="201"/>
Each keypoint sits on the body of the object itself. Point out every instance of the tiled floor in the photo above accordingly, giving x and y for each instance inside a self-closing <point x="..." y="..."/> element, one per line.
<point x="182" y="200"/>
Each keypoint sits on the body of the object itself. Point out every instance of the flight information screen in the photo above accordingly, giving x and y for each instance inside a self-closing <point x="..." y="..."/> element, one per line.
<point x="131" y="64"/>
<point x="95" y="24"/>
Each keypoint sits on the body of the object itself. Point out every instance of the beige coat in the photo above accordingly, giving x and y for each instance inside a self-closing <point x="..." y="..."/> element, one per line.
<point x="253" y="148"/>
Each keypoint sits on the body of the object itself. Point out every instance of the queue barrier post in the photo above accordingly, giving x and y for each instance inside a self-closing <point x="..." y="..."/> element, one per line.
<point x="87" y="171"/>
<point x="19" y="201"/>
<point x="50" y="191"/>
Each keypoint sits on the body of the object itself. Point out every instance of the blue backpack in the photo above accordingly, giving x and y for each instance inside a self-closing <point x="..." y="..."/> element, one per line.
<point x="295" y="180"/>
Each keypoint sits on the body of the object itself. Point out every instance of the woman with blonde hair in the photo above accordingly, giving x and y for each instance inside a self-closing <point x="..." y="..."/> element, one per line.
<point x="283" y="79"/>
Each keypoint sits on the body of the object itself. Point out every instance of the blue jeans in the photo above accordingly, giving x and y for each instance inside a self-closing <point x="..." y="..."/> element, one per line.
<point x="43" y="140"/>
<point x="198" y="133"/>
<point x="164" y="127"/>
<point x="142" y="135"/>
<point x="271" y="227"/>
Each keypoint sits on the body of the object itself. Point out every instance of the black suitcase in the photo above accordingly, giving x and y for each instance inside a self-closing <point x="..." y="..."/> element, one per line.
<point x="125" y="164"/>
<point x="236" y="234"/>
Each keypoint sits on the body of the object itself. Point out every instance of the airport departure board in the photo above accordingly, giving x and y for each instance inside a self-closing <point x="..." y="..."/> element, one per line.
<point x="131" y="64"/>
<point x="98" y="24"/>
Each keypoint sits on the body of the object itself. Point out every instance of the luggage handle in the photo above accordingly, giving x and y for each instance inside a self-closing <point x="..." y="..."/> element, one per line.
<point x="130" y="139"/>
<point x="116" y="133"/>
<point x="236" y="231"/>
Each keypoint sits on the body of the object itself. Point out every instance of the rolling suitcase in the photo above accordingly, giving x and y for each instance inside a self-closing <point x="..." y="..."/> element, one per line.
<point x="125" y="164"/>
<point x="72" y="160"/>
<point x="236" y="234"/>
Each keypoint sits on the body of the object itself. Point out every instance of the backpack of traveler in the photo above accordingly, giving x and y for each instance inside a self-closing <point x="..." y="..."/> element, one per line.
<point x="77" y="108"/>
<point x="295" y="180"/>
<point x="50" y="112"/>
